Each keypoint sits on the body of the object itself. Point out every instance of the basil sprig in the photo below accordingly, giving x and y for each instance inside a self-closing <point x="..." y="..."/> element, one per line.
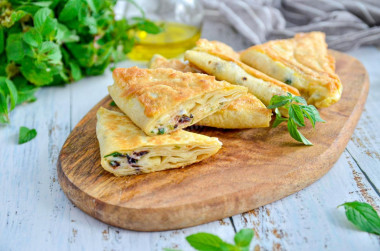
<point x="363" y="216"/>
<point x="298" y="110"/>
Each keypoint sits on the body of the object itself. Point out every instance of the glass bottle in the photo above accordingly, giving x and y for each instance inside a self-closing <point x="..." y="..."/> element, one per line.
<point x="181" y="21"/>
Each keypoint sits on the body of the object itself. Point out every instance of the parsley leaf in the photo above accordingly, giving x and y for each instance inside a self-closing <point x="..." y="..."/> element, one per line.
<point x="26" y="134"/>
<point x="363" y="216"/>
<point x="298" y="110"/>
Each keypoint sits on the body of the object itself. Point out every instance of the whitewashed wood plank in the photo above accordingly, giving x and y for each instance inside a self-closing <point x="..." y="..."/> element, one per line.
<point x="309" y="219"/>
<point x="29" y="201"/>
<point x="364" y="145"/>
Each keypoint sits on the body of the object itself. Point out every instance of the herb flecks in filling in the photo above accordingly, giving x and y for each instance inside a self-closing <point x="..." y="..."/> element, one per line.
<point x="115" y="154"/>
<point x="288" y="81"/>
<point x="114" y="163"/>
<point x="131" y="159"/>
<point x="161" y="131"/>
<point x="185" y="119"/>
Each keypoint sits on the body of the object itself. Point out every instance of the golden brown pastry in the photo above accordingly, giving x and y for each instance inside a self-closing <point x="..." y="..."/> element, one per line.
<point x="125" y="149"/>
<point x="160" y="101"/>
<point x="217" y="59"/>
<point x="159" y="61"/>
<point x="302" y="62"/>
<point x="244" y="112"/>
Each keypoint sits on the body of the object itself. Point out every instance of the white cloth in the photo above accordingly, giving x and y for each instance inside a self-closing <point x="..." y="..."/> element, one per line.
<point x="347" y="23"/>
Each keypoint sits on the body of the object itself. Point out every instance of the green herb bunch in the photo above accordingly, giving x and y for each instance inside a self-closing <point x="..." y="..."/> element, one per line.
<point x="54" y="42"/>
<point x="298" y="110"/>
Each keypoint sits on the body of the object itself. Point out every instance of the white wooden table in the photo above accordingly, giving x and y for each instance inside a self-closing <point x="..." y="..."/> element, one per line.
<point x="36" y="215"/>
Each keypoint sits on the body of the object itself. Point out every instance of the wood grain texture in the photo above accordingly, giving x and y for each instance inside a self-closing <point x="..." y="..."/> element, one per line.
<point x="255" y="167"/>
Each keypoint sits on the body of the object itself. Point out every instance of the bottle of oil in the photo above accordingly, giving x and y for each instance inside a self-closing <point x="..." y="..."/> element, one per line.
<point x="181" y="21"/>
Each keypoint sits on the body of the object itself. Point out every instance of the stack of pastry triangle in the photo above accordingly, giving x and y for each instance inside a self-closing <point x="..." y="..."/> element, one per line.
<point x="302" y="62"/>
<point x="126" y="150"/>
<point x="156" y="104"/>
<point x="244" y="112"/>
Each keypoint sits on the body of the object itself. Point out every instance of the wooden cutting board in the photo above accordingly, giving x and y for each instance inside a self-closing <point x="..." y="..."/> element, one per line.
<point x="255" y="167"/>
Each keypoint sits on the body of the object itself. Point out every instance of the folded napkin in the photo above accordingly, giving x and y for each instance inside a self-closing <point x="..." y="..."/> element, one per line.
<point x="347" y="23"/>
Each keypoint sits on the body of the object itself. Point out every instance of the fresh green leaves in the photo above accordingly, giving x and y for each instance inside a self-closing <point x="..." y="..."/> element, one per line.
<point x="14" y="48"/>
<point x="298" y="110"/>
<point x="41" y="16"/>
<point x="363" y="216"/>
<point x="210" y="242"/>
<point x="33" y="37"/>
<point x="26" y="135"/>
<point x="70" y="10"/>
<point x="55" y="42"/>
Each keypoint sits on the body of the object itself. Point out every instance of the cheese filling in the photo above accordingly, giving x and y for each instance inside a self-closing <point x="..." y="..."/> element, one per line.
<point x="152" y="159"/>
<point x="191" y="112"/>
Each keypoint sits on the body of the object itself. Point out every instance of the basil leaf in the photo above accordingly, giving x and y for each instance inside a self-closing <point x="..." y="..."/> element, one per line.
<point x="69" y="11"/>
<point x="26" y="134"/>
<point x="299" y="99"/>
<point x="296" y="114"/>
<point x="33" y="37"/>
<point x="9" y="92"/>
<point x="41" y="16"/>
<point x="3" y="108"/>
<point x="205" y="241"/>
<point x="50" y="52"/>
<point x="15" y="49"/>
<point x="76" y="72"/>
<point x="316" y="113"/>
<point x="12" y="92"/>
<point x="244" y="237"/>
<point x="112" y="103"/>
<point x="49" y="28"/>
<point x="292" y="128"/>
<point x="64" y="35"/>
<point x="36" y="73"/>
<point x="363" y="216"/>
<point x="278" y="101"/>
